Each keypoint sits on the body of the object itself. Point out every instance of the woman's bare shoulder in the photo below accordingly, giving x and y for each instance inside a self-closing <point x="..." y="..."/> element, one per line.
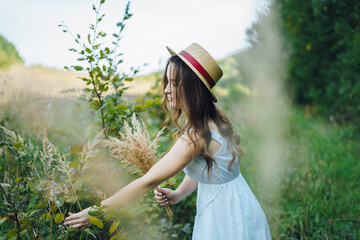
<point x="193" y="136"/>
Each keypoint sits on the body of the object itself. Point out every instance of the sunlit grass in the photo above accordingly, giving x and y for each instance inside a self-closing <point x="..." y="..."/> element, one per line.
<point x="318" y="185"/>
<point x="316" y="196"/>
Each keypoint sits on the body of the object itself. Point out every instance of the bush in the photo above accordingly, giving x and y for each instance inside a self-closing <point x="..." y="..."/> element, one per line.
<point x="8" y="54"/>
<point x="323" y="71"/>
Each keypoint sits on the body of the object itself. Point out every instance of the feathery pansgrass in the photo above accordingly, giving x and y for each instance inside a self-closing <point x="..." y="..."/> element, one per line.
<point x="49" y="155"/>
<point x="7" y="133"/>
<point x="135" y="149"/>
<point x="10" y="135"/>
<point x="90" y="151"/>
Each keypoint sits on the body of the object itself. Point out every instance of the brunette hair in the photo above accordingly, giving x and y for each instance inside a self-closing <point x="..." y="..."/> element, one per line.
<point x="194" y="100"/>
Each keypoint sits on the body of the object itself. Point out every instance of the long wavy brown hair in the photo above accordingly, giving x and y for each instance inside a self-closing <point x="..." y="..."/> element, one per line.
<point x="193" y="99"/>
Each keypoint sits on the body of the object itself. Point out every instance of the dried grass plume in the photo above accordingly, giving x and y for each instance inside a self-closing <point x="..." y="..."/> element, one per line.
<point x="135" y="149"/>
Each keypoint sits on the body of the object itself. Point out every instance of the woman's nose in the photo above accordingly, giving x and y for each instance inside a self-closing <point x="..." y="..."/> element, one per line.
<point x="167" y="89"/>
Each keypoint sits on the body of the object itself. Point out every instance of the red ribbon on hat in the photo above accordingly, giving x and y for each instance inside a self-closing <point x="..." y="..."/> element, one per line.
<point x="198" y="67"/>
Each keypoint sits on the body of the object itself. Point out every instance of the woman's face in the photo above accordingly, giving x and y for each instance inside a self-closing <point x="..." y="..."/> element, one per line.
<point x="170" y="89"/>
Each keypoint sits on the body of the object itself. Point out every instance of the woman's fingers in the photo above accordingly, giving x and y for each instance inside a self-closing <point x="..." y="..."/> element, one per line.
<point x="77" y="226"/>
<point x="72" y="216"/>
<point x="72" y="222"/>
<point x="162" y="198"/>
<point x="157" y="197"/>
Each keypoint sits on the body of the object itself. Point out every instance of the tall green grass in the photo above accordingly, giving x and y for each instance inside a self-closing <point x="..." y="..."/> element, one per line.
<point x="320" y="182"/>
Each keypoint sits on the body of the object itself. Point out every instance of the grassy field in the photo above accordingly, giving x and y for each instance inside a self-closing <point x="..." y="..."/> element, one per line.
<point x="311" y="193"/>
<point x="318" y="195"/>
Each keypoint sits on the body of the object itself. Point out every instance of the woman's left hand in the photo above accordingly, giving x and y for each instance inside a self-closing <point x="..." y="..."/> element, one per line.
<point x="79" y="220"/>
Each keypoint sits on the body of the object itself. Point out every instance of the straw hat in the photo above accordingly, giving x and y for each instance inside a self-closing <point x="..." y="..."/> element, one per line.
<point x="201" y="62"/>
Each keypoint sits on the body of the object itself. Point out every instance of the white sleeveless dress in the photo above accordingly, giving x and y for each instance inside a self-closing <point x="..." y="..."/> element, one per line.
<point x="225" y="206"/>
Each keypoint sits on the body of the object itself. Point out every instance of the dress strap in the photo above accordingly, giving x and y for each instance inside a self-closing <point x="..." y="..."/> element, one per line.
<point x="217" y="136"/>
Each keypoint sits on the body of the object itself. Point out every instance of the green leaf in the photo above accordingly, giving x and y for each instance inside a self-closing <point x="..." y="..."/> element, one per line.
<point x="115" y="79"/>
<point x="4" y="219"/>
<point x="17" y="144"/>
<point x="102" y="1"/>
<point x="121" y="107"/>
<point x="59" y="218"/>
<point x="71" y="200"/>
<point x="174" y="235"/>
<point x="96" y="221"/>
<point x="23" y="232"/>
<point x="114" y="225"/>
<point x="114" y="237"/>
<point x="94" y="213"/>
<point x="54" y="208"/>
<point x="11" y="233"/>
<point x="148" y="103"/>
<point x="129" y="79"/>
<point x="78" y="68"/>
<point x="45" y="216"/>
<point x="115" y="35"/>
<point x="88" y="49"/>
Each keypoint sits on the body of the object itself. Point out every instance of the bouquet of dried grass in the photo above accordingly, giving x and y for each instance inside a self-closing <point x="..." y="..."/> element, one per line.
<point x="135" y="149"/>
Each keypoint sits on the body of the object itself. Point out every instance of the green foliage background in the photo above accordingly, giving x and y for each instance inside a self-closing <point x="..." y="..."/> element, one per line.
<point x="318" y="196"/>
<point x="323" y="70"/>
<point x="8" y="54"/>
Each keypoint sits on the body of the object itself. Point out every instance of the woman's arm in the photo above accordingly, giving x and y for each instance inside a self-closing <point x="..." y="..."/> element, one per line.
<point x="166" y="196"/>
<point x="174" y="161"/>
<point x="187" y="186"/>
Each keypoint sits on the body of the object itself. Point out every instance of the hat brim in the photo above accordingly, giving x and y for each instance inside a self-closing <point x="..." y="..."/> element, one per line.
<point x="173" y="53"/>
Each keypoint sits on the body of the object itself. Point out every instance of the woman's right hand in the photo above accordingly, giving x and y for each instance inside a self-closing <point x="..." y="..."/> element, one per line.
<point x="165" y="196"/>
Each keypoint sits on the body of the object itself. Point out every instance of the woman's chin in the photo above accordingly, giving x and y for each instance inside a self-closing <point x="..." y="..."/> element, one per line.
<point x="172" y="104"/>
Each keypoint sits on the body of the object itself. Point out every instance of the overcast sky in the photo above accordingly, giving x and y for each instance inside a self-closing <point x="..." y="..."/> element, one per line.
<point x="219" y="26"/>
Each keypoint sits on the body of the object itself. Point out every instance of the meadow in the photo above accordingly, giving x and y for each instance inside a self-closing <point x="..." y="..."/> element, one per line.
<point x="301" y="147"/>
<point x="309" y="194"/>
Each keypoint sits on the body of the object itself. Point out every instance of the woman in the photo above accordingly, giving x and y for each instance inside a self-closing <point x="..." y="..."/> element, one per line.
<point x="206" y="150"/>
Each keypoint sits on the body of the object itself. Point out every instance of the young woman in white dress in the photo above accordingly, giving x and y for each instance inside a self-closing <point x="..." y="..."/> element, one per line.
<point x="207" y="151"/>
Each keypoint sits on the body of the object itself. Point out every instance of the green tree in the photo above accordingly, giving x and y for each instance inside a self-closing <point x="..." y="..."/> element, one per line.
<point x="8" y="54"/>
<point x="323" y="71"/>
<point x="105" y="82"/>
